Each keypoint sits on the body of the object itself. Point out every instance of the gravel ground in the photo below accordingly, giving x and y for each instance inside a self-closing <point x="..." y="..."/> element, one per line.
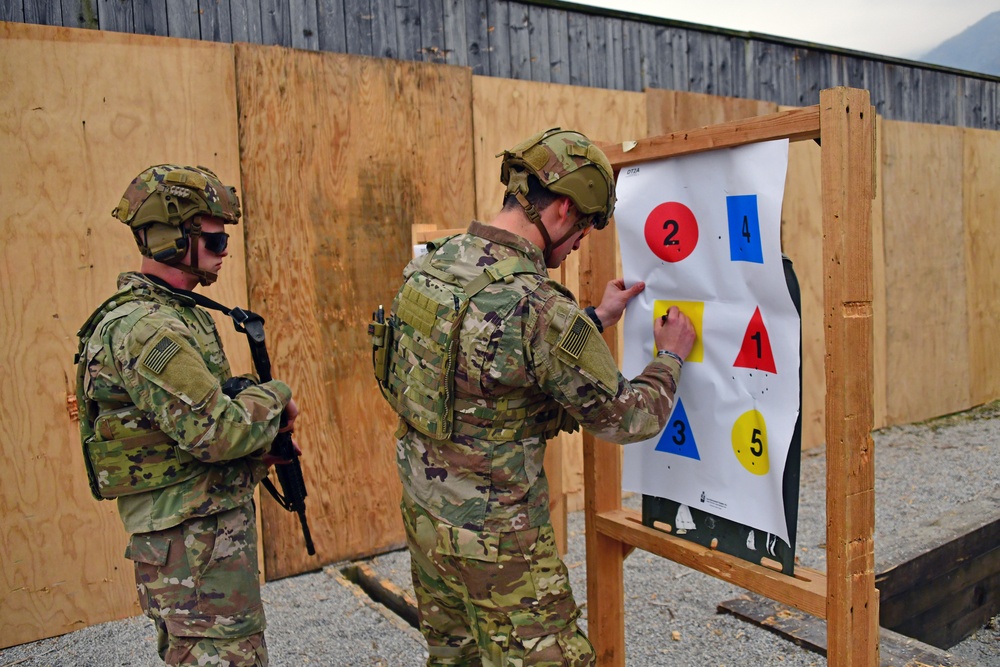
<point x="922" y="471"/>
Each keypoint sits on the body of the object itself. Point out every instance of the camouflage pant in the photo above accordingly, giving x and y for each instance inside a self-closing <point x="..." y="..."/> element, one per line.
<point x="198" y="582"/>
<point x="492" y="599"/>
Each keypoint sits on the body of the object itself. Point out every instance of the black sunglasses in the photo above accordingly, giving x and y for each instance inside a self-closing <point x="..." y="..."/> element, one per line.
<point x="216" y="242"/>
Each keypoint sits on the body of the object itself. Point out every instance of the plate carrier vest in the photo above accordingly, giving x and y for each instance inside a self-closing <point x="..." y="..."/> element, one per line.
<point x="415" y="352"/>
<point x="125" y="452"/>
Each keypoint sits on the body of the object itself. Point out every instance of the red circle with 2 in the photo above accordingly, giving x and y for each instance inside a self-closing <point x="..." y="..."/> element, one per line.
<point x="671" y="231"/>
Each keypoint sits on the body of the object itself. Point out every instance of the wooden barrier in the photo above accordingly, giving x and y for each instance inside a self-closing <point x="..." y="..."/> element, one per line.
<point x="340" y="157"/>
<point x="79" y="121"/>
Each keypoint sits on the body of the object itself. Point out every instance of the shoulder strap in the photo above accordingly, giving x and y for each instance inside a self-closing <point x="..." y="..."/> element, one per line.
<point x="499" y="271"/>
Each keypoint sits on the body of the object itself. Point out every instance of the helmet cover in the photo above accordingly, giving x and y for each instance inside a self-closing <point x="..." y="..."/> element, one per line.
<point x="567" y="163"/>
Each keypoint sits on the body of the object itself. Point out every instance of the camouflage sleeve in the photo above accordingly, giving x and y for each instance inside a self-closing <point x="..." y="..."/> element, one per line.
<point x="167" y="378"/>
<point x="574" y="365"/>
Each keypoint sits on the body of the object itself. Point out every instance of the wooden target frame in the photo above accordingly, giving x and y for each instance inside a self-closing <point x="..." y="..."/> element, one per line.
<point x="843" y="123"/>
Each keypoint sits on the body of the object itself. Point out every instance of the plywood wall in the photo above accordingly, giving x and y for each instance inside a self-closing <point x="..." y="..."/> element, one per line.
<point x="925" y="261"/>
<point x="77" y="123"/>
<point x="341" y="156"/>
<point x="981" y="208"/>
<point x="504" y="113"/>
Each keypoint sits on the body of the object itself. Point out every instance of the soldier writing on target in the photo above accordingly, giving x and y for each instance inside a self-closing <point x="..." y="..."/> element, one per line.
<point x="160" y="434"/>
<point x="485" y="358"/>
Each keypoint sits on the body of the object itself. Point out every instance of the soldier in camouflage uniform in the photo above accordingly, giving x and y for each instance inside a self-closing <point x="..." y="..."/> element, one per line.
<point x="159" y="434"/>
<point x="480" y="392"/>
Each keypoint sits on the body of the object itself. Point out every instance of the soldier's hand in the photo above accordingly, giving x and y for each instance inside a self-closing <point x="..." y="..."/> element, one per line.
<point x="291" y="412"/>
<point x="616" y="297"/>
<point x="674" y="332"/>
<point x="271" y="460"/>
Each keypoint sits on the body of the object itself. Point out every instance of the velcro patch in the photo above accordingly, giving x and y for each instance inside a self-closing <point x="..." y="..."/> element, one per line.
<point x="576" y="336"/>
<point x="162" y="352"/>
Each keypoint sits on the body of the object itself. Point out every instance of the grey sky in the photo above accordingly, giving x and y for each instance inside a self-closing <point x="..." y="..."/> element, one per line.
<point x="900" y="28"/>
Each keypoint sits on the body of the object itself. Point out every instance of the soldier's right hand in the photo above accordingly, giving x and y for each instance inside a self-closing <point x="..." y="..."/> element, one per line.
<point x="674" y="332"/>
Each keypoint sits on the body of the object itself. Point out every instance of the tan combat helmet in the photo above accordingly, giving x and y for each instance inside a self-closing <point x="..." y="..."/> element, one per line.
<point x="161" y="206"/>
<point x="566" y="163"/>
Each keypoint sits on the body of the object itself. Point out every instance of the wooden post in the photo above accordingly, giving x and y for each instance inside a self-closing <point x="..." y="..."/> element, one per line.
<point x="847" y="122"/>
<point x="602" y="466"/>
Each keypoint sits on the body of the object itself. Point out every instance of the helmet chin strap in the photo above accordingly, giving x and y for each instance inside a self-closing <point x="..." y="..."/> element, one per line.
<point x="536" y="219"/>
<point x="205" y="278"/>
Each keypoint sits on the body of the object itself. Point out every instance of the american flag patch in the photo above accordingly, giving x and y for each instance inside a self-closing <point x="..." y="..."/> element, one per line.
<point x="161" y="353"/>
<point x="574" y="340"/>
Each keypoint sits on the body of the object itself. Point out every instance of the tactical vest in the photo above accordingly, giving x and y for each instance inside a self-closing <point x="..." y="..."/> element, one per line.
<point x="415" y="354"/>
<point x="125" y="452"/>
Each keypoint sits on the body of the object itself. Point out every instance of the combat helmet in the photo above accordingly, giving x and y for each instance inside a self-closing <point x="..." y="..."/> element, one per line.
<point x="161" y="206"/>
<point x="566" y="163"/>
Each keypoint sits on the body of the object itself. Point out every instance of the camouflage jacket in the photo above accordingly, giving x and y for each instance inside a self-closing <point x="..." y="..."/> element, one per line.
<point x="179" y="394"/>
<point x="539" y="340"/>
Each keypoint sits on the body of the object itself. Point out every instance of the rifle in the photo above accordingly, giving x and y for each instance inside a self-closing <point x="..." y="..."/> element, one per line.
<point x="289" y="474"/>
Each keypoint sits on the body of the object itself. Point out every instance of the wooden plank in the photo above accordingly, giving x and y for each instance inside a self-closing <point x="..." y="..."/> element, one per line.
<point x="796" y="125"/>
<point x="597" y="54"/>
<point x="331" y="22"/>
<point x="632" y="56"/>
<point x="847" y="121"/>
<point x="980" y="204"/>
<point x="456" y="41"/>
<point x="150" y="17"/>
<point x="114" y="15"/>
<point x="78" y="14"/>
<point x="216" y="22"/>
<point x="925" y="263"/>
<point x="275" y="23"/>
<point x="183" y="19"/>
<point x="42" y="12"/>
<point x="304" y="24"/>
<point x="385" y="42"/>
<point x="432" y="47"/>
<point x="245" y="19"/>
<point x="649" y="57"/>
<point x="559" y="46"/>
<point x="358" y="27"/>
<point x="11" y="10"/>
<point x="327" y="193"/>
<point x="603" y="493"/>
<point x="806" y="590"/>
<point x="519" y="40"/>
<point x="538" y="44"/>
<point x="579" y="49"/>
<point x="477" y="34"/>
<point x="63" y="567"/>
<point x="499" y="32"/>
<point x="616" y="47"/>
<point x="408" y="29"/>
<point x="810" y="632"/>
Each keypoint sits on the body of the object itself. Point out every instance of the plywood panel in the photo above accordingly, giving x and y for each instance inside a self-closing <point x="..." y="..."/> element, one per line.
<point x="981" y="182"/>
<point x="802" y="241"/>
<point x="672" y="110"/>
<point x="926" y="307"/>
<point x="69" y="150"/>
<point x="530" y="107"/>
<point x="341" y="156"/>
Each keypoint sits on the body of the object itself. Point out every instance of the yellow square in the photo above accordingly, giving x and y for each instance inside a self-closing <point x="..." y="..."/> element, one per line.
<point x="693" y="309"/>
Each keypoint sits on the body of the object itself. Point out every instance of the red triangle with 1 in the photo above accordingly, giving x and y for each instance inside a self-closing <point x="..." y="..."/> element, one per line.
<point x="756" y="349"/>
